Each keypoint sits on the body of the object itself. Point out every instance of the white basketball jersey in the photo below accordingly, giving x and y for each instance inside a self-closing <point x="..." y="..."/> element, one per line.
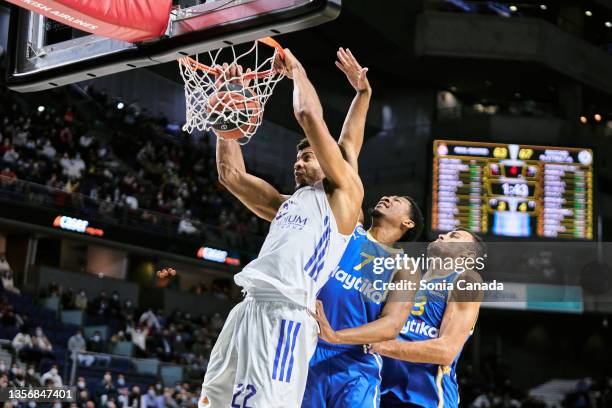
<point x="300" y="251"/>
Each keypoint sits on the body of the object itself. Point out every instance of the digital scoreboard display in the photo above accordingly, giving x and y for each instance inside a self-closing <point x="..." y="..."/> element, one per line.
<point x="513" y="190"/>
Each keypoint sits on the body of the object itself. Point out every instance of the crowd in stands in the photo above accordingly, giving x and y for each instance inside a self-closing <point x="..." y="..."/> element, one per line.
<point x="591" y="393"/>
<point x="180" y="338"/>
<point x="109" y="392"/>
<point x="180" y="167"/>
<point x="129" y="167"/>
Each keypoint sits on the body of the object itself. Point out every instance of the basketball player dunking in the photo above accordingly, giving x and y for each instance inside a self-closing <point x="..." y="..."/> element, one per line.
<point x="419" y="366"/>
<point x="261" y="356"/>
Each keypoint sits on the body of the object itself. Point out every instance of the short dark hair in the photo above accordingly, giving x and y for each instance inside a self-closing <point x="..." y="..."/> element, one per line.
<point x="416" y="216"/>
<point x="480" y="248"/>
<point x="303" y="144"/>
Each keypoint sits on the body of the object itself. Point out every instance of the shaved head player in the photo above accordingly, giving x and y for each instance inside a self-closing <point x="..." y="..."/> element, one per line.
<point x="419" y="366"/>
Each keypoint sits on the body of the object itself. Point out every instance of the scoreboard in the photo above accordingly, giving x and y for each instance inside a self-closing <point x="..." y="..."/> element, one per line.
<point x="513" y="190"/>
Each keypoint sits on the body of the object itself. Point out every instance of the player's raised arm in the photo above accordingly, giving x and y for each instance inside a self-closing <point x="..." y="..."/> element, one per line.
<point x="386" y="327"/>
<point x="351" y="137"/>
<point x="340" y="176"/>
<point x="459" y="319"/>
<point x="309" y="114"/>
<point x="258" y="195"/>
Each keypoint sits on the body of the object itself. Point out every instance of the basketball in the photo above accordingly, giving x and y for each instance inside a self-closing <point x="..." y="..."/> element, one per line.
<point x="234" y="111"/>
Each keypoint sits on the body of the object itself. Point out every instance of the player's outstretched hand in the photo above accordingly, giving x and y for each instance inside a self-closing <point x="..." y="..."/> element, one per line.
<point x="355" y="73"/>
<point x="325" y="330"/>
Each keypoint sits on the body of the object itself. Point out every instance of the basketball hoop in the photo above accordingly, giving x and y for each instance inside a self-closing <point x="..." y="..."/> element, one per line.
<point x="230" y="104"/>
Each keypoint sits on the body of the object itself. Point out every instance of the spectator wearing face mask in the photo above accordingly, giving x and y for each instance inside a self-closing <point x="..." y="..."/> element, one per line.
<point x="53" y="376"/>
<point x="149" y="400"/>
<point x="81" y="384"/>
<point x="32" y="377"/>
<point x="120" y="380"/>
<point x="96" y="343"/>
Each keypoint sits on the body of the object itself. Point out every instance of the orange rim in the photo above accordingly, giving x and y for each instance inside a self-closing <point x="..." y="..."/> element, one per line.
<point x="269" y="41"/>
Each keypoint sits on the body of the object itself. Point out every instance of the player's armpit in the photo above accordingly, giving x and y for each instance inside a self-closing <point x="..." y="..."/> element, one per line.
<point x="256" y="194"/>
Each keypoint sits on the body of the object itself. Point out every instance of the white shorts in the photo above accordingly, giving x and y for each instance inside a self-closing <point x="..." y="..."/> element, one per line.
<point x="261" y="357"/>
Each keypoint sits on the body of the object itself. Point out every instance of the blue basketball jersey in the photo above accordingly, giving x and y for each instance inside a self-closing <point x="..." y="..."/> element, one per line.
<point x="355" y="292"/>
<point x="341" y="375"/>
<point x="425" y="385"/>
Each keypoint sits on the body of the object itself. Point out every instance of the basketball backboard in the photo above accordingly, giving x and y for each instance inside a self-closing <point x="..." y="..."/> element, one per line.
<point x="44" y="54"/>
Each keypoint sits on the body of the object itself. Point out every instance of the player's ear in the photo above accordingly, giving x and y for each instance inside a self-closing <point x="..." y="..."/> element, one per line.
<point x="469" y="254"/>
<point x="408" y="224"/>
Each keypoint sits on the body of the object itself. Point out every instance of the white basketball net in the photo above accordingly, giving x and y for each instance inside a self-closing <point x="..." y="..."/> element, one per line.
<point x="206" y="78"/>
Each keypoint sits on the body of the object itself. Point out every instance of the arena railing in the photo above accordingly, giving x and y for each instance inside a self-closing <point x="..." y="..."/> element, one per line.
<point x="137" y="371"/>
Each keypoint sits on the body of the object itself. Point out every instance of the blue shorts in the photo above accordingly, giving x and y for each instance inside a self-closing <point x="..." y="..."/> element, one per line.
<point x="342" y="377"/>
